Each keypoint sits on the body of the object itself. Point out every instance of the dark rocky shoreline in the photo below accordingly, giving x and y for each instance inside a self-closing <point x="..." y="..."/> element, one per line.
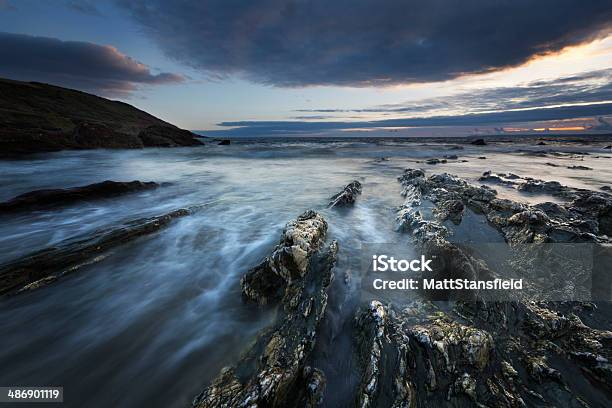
<point x="461" y="351"/>
<point x="477" y="353"/>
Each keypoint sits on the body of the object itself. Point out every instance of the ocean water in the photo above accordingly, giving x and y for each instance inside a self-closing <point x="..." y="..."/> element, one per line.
<point x="155" y="320"/>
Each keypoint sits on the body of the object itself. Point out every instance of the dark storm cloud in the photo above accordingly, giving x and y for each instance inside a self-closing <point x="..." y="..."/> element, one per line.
<point x="270" y="128"/>
<point x="365" y="42"/>
<point x="75" y="64"/>
<point x="587" y="87"/>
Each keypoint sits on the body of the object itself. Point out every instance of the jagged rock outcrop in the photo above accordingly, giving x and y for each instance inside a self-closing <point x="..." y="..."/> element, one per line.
<point x="40" y="199"/>
<point x="289" y="260"/>
<point x="585" y="217"/>
<point x="431" y="237"/>
<point x="347" y="196"/>
<point x="483" y="353"/>
<point x="274" y="373"/>
<point x="496" y="354"/>
<point x="419" y="357"/>
<point x="48" y="265"/>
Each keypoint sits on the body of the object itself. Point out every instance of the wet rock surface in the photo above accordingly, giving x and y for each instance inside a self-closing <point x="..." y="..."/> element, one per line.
<point x="480" y="355"/>
<point x="48" y="265"/>
<point x="274" y="372"/>
<point x="458" y="353"/>
<point x="435" y="161"/>
<point x="40" y="199"/>
<point x="583" y="217"/>
<point x="347" y="196"/>
<point x="272" y="278"/>
<point x="579" y="168"/>
<point x="483" y="353"/>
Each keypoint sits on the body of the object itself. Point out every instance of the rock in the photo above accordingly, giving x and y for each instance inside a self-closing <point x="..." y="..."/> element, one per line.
<point x="541" y="143"/>
<point x="466" y="385"/>
<point x="45" y="266"/>
<point x="482" y="353"/>
<point x="409" y="358"/>
<point x="540" y="371"/>
<point x="39" y="199"/>
<point x="586" y="217"/>
<point x="274" y="373"/>
<point x="534" y="153"/>
<point x="472" y="353"/>
<point x="347" y="196"/>
<point x="450" y="210"/>
<point x="289" y="260"/>
<point x="606" y="188"/>
<point x="508" y="371"/>
<point x="539" y="186"/>
<point x="497" y="359"/>
<point x="449" y="261"/>
<point x="609" y="147"/>
<point x="579" y="168"/>
<point x="482" y="157"/>
<point x="315" y="387"/>
<point x="478" y="142"/>
<point x="435" y="161"/>
<point x="502" y="179"/>
<point x="224" y="142"/>
<point x="451" y="157"/>
<point x="551" y="164"/>
<point x="371" y="325"/>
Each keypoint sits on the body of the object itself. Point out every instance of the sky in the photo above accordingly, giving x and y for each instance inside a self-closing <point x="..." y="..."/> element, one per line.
<point x="343" y="67"/>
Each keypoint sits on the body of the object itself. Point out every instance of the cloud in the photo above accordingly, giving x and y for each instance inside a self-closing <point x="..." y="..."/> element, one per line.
<point x="365" y="42"/>
<point x="587" y="87"/>
<point x="271" y="128"/>
<point x="100" y="69"/>
<point x="7" y="5"/>
<point x="84" y="6"/>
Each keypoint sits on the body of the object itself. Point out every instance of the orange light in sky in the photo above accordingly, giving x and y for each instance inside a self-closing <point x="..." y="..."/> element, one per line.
<point x="567" y="128"/>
